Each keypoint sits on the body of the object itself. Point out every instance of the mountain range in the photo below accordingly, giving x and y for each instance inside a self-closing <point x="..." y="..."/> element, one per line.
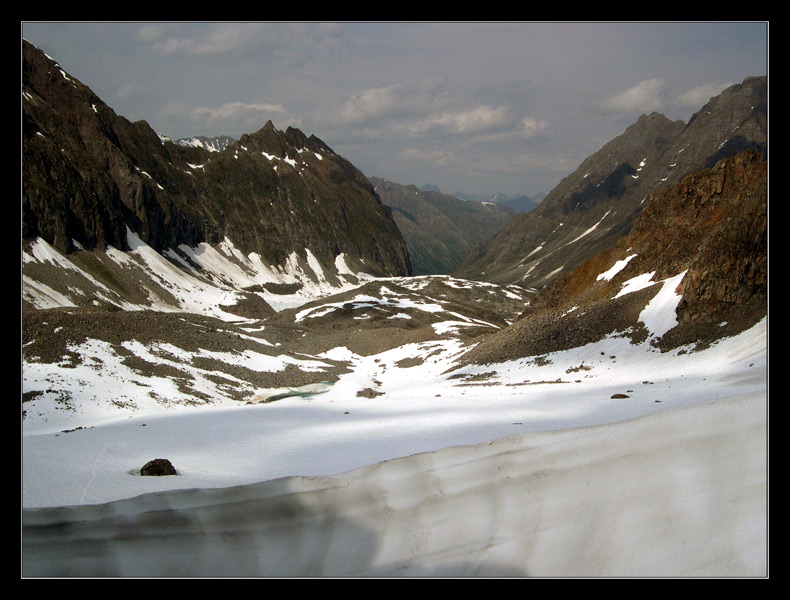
<point x="213" y="144"/>
<point x="703" y="242"/>
<point x="519" y="203"/>
<point x="114" y="217"/>
<point x="90" y="177"/>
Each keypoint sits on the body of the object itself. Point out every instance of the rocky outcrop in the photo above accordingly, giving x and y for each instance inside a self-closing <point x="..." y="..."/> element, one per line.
<point x="88" y="174"/>
<point x="714" y="226"/>
<point x="599" y="203"/>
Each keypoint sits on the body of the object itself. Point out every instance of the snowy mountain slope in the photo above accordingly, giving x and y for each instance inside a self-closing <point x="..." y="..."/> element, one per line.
<point x="368" y="424"/>
<point x="457" y="510"/>
<point x="106" y="391"/>
<point x="213" y="327"/>
<point x="89" y="176"/>
<point x="700" y="245"/>
<point x="99" y="407"/>
<point x="216" y="280"/>
<point x="409" y="398"/>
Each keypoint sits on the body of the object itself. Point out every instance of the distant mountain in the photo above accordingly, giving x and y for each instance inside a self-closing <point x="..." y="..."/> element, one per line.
<point x="517" y="204"/>
<point x="439" y="229"/>
<point x="273" y="202"/>
<point x="213" y="144"/>
<point x="592" y="208"/>
<point x="520" y="203"/>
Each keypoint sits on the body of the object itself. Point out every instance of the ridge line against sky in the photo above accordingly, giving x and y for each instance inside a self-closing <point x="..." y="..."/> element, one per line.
<point x="479" y="107"/>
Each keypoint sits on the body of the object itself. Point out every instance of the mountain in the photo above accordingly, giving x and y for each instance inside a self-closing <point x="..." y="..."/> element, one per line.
<point x="131" y="239"/>
<point x="700" y="246"/>
<point x="273" y="201"/>
<point x="517" y="204"/>
<point x="439" y="229"/>
<point x="220" y="310"/>
<point x="334" y="438"/>
<point x="598" y="203"/>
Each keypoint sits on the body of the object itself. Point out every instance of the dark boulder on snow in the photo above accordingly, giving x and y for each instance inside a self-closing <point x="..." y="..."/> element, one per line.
<point x="158" y="467"/>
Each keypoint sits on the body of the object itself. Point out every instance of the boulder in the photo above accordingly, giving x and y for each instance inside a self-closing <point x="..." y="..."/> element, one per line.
<point x="158" y="467"/>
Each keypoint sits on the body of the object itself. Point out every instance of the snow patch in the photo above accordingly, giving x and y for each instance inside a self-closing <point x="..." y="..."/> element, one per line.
<point x="659" y="316"/>
<point x="615" y="269"/>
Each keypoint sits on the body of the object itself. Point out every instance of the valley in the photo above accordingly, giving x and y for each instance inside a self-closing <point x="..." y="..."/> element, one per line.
<point x="580" y="390"/>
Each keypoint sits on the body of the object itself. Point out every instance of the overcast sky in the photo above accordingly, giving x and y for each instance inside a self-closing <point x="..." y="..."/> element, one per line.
<point x="479" y="107"/>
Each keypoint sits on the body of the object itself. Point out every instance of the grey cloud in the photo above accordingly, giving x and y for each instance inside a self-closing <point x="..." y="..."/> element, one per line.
<point x="697" y="97"/>
<point x="646" y="96"/>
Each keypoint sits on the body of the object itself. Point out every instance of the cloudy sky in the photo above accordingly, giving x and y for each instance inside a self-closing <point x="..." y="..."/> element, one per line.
<point x="479" y="107"/>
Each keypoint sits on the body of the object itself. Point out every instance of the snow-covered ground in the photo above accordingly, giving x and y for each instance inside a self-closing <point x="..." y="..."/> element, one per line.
<point x="670" y="480"/>
<point x="612" y="459"/>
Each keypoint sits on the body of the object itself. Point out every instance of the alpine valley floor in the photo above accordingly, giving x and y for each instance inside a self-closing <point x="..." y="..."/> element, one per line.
<point x="609" y="460"/>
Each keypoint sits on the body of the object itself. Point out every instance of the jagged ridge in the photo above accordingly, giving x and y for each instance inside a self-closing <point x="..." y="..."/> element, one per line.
<point x="88" y="174"/>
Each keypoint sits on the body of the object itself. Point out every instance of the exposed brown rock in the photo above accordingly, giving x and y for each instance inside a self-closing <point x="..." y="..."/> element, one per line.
<point x="712" y="226"/>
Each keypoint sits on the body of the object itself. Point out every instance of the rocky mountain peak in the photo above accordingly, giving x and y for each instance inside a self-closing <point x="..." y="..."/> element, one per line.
<point x="593" y="207"/>
<point x="90" y="176"/>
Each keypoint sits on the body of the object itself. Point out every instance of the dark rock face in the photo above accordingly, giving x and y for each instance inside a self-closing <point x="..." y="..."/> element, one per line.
<point x="157" y="468"/>
<point x="88" y="174"/>
<point x="599" y="203"/>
